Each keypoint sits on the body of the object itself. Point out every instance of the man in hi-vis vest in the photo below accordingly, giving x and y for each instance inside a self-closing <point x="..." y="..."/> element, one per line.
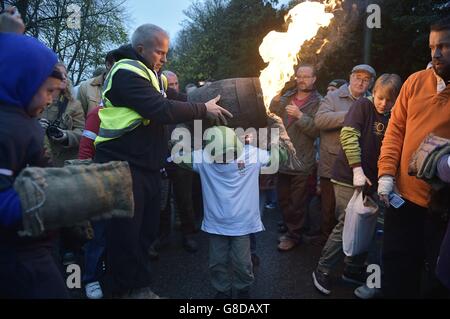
<point x="132" y="129"/>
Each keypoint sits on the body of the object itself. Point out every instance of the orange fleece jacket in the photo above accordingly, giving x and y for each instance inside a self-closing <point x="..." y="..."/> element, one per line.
<point x="419" y="110"/>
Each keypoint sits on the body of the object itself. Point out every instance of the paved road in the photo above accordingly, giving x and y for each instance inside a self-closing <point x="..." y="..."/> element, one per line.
<point x="286" y="275"/>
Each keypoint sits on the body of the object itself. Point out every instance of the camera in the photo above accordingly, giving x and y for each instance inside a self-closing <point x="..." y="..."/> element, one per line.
<point x="54" y="131"/>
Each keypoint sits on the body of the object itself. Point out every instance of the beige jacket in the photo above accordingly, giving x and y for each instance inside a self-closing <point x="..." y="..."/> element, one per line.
<point x="90" y="93"/>
<point x="72" y="121"/>
<point x="330" y="119"/>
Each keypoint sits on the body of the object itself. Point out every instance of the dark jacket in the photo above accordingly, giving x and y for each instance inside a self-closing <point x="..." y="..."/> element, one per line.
<point x="302" y="132"/>
<point x="21" y="144"/>
<point x="146" y="146"/>
<point x="365" y="124"/>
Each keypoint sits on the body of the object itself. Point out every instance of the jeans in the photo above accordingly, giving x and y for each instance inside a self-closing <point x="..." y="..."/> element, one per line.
<point x="94" y="250"/>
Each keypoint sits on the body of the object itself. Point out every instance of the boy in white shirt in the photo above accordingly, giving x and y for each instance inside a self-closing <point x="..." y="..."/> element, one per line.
<point x="230" y="173"/>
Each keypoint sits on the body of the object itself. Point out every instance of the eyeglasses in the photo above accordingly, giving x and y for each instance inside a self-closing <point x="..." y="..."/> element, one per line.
<point x="361" y="80"/>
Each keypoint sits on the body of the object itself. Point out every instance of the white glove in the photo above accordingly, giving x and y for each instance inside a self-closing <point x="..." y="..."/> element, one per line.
<point x="385" y="187"/>
<point x="359" y="178"/>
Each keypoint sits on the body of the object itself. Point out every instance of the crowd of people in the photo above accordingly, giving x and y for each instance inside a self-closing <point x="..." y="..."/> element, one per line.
<point x="360" y="136"/>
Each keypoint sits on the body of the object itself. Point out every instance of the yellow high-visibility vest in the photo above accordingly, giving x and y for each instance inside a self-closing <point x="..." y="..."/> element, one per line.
<point x="117" y="120"/>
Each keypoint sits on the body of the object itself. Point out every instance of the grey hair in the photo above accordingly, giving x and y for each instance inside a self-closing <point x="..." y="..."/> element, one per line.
<point x="146" y="34"/>
<point x="169" y="73"/>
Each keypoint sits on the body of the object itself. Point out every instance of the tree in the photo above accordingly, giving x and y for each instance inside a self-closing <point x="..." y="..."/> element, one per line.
<point x="220" y="39"/>
<point x="81" y="47"/>
<point x="401" y="45"/>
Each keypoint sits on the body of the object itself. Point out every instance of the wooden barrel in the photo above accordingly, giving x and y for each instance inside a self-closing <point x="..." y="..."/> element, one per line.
<point x="240" y="96"/>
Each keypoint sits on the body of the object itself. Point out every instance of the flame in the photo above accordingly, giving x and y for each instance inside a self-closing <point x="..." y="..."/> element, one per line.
<point x="325" y="42"/>
<point x="333" y="4"/>
<point x="280" y="49"/>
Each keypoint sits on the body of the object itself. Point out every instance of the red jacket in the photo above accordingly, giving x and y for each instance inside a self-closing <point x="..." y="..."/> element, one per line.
<point x="91" y="128"/>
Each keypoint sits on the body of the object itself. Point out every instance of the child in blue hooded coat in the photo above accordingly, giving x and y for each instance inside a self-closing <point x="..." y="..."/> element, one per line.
<point x="28" y="79"/>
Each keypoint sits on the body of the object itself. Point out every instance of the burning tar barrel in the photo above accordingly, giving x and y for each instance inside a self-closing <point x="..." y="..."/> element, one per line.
<point x="240" y="96"/>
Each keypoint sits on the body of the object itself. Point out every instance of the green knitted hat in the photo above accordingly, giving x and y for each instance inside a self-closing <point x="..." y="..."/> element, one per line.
<point x="225" y="142"/>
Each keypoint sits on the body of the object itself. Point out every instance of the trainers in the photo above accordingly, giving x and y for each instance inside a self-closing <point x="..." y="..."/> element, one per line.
<point x="322" y="281"/>
<point x="93" y="290"/>
<point x="357" y="278"/>
<point x="364" y="292"/>
<point x="287" y="244"/>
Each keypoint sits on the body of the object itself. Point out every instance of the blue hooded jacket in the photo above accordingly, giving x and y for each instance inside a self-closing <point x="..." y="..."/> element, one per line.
<point x="25" y="64"/>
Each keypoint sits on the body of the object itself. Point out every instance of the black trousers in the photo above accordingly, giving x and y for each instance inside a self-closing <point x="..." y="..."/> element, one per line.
<point x="30" y="275"/>
<point x="412" y="238"/>
<point x="128" y="239"/>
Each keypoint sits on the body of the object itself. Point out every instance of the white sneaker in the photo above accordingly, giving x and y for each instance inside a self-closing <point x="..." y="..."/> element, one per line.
<point x="94" y="291"/>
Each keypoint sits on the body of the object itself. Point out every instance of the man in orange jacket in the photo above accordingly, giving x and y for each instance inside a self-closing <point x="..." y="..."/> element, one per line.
<point x="412" y="235"/>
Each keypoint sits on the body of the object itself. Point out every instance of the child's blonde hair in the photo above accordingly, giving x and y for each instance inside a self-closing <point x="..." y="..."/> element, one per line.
<point x="392" y="83"/>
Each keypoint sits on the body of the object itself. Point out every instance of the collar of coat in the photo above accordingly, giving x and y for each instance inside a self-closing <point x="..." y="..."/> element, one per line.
<point x="98" y="80"/>
<point x="344" y="92"/>
<point x="440" y="85"/>
<point x="290" y="93"/>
